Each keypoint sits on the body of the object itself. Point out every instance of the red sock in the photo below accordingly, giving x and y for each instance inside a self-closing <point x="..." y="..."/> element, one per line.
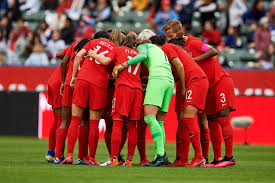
<point x="194" y="135"/>
<point x="73" y="133"/>
<point x="116" y="138"/>
<point x="83" y="142"/>
<point x="178" y="146"/>
<point x="184" y="142"/>
<point x="132" y="140"/>
<point x="141" y="143"/>
<point x="93" y="137"/>
<point x="227" y="132"/>
<point x="59" y="120"/>
<point x="107" y="138"/>
<point x="52" y="133"/>
<point x="123" y="138"/>
<point x="216" y="138"/>
<point x="61" y="135"/>
<point x="205" y="142"/>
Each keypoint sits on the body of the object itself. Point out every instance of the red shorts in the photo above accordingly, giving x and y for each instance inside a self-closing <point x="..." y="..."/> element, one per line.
<point x="87" y="93"/>
<point x="128" y="102"/>
<point x="221" y="96"/>
<point x="196" y="92"/>
<point x="67" y="96"/>
<point x="54" y="97"/>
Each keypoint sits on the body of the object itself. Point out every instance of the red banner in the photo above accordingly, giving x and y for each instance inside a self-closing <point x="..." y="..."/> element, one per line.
<point x="258" y="109"/>
<point x="254" y="82"/>
<point x="247" y="82"/>
<point x="25" y="78"/>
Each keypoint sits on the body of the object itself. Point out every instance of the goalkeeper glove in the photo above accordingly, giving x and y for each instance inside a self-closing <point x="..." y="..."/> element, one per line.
<point x="116" y="70"/>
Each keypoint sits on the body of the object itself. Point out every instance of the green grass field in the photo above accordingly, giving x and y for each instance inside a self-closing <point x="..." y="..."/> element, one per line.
<point x="22" y="160"/>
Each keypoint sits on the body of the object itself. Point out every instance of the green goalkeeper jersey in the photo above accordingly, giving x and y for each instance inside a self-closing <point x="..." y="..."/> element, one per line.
<point x="155" y="60"/>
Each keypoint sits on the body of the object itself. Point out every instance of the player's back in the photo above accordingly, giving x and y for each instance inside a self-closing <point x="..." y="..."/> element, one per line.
<point x="71" y="52"/>
<point x="91" y="70"/>
<point x="55" y="77"/>
<point x="191" y="69"/>
<point x="130" y="76"/>
<point x="210" y="66"/>
<point x="157" y="62"/>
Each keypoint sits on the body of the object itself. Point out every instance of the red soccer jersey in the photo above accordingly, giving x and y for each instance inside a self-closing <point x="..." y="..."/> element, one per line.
<point x="91" y="70"/>
<point x="71" y="52"/>
<point x="56" y="75"/>
<point x="211" y="67"/>
<point x="130" y="76"/>
<point x="191" y="69"/>
<point x="67" y="50"/>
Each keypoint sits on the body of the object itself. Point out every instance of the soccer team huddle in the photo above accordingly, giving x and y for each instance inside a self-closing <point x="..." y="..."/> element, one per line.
<point x="128" y="80"/>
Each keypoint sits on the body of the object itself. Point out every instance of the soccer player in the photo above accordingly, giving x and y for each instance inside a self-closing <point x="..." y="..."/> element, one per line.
<point x="90" y="87"/>
<point x="127" y="100"/>
<point x="107" y="116"/>
<point x="116" y="37"/>
<point x="183" y="145"/>
<point x="55" y="100"/>
<point x="220" y="100"/>
<point x="196" y="87"/>
<point x="141" y="127"/>
<point x="189" y="105"/>
<point x="158" y="92"/>
<point x="66" y="91"/>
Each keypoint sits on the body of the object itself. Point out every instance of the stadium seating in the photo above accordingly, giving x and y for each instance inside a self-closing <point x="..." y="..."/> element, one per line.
<point x="125" y="21"/>
<point x="35" y="17"/>
<point x="138" y="21"/>
<point x="238" y="58"/>
<point x="2" y="12"/>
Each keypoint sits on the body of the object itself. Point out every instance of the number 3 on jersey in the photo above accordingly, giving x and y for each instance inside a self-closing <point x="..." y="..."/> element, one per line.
<point x="100" y="54"/>
<point x="130" y="68"/>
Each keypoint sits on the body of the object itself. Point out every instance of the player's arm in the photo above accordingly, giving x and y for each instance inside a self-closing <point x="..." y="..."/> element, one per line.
<point x="180" y="71"/>
<point x="141" y="56"/>
<point x="60" y="55"/>
<point x="64" y="64"/>
<point x="208" y="52"/>
<point x="77" y="60"/>
<point x="101" y="59"/>
<point x="137" y="59"/>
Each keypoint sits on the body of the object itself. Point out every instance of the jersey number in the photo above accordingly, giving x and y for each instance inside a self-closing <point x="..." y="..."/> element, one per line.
<point x="100" y="54"/>
<point x="130" y="68"/>
<point x="188" y="95"/>
<point x="222" y="95"/>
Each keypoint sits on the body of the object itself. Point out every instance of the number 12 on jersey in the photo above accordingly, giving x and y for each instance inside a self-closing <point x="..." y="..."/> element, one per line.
<point x="130" y="68"/>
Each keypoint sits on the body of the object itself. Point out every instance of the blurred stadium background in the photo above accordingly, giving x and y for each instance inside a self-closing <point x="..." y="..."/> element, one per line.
<point x="33" y="31"/>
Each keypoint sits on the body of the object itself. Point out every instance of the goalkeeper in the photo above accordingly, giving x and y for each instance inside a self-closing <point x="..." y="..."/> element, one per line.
<point x="158" y="92"/>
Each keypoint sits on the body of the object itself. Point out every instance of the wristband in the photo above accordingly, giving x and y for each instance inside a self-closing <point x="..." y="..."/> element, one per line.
<point x="125" y="64"/>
